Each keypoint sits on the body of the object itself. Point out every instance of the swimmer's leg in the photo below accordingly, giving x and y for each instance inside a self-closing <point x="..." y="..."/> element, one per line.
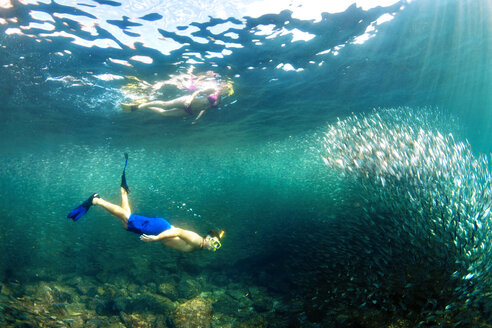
<point x="155" y="103"/>
<point x="158" y="110"/>
<point x="173" y="112"/>
<point x="174" y="107"/>
<point x="131" y="107"/>
<point x="122" y="213"/>
<point x="124" y="201"/>
<point x="175" y="103"/>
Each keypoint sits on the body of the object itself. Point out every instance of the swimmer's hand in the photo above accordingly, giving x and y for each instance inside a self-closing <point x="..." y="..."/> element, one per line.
<point x="148" y="238"/>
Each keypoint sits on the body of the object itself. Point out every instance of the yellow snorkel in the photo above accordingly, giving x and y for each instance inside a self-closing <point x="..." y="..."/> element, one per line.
<point x="231" y="90"/>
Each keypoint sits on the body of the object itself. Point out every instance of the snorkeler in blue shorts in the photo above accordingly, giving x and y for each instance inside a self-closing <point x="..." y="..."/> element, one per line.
<point x="150" y="229"/>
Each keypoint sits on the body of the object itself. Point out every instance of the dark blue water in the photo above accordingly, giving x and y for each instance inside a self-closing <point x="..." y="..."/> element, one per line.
<point x="252" y="167"/>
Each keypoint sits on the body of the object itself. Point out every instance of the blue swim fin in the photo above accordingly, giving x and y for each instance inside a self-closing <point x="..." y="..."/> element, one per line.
<point x="123" y="176"/>
<point x="80" y="210"/>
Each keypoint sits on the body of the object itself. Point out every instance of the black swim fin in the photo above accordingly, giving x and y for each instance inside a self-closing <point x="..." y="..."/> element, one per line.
<point x="80" y="210"/>
<point x="123" y="176"/>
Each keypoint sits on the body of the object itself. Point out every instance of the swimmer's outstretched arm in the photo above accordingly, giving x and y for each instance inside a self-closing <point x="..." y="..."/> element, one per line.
<point x="170" y="233"/>
<point x="196" y="93"/>
<point x="198" y="116"/>
<point x="189" y="236"/>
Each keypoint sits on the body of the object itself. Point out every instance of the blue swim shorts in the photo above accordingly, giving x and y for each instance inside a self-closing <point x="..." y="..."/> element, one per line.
<point x="149" y="226"/>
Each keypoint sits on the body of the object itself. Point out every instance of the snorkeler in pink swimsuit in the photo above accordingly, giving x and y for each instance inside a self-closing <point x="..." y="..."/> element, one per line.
<point x="200" y="101"/>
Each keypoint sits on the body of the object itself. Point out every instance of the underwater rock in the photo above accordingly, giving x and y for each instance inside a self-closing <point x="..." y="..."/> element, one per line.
<point x="233" y="302"/>
<point x="133" y="288"/>
<point x="97" y="322"/>
<point x="103" y="306"/>
<point x="195" y="313"/>
<point x="109" y="291"/>
<point x="122" y="304"/>
<point x="76" y="322"/>
<point x="220" y="279"/>
<point x="151" y="288"/>
<point x="142" y="321"/>
<point x="153" y="303"/>
<point x="168" y="290"/>
<point x="255" y="322"/>
<point x="261" y="301"/>
<point x="89" y="291"/>
<point x="226" y="305"/>
<point x="236" y="294"/>
<point x="143" y="302"/>
<point x="189" y="288"/>
<point x="220" y="320"/>
<point x="109" y="300"/>
<point x="84" y="287"/>
<point x="263" y="304"/>
<point x="51" y="292"/>
<point x="293" y="306"/>
<point x="63" y="294"/>
<point x="30" y="311"/>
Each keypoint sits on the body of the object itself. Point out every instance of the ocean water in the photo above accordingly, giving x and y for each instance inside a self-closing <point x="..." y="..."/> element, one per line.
<point x="350" y="169"/>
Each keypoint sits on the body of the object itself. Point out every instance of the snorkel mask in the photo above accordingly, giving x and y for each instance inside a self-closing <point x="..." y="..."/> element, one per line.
<point x="215" y="244"/>
<point x="215" y="240"/>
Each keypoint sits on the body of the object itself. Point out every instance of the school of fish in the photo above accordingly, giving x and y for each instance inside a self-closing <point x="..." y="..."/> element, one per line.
<point x="429" y="198"/>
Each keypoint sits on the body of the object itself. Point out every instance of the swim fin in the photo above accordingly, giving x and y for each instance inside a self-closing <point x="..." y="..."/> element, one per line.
<point x="127" y="108"/>
<point x="123" y="176"/>
<point x="80" y="210"/>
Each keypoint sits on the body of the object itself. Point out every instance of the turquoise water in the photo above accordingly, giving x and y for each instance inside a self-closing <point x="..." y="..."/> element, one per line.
<point x="305" y="237"/>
